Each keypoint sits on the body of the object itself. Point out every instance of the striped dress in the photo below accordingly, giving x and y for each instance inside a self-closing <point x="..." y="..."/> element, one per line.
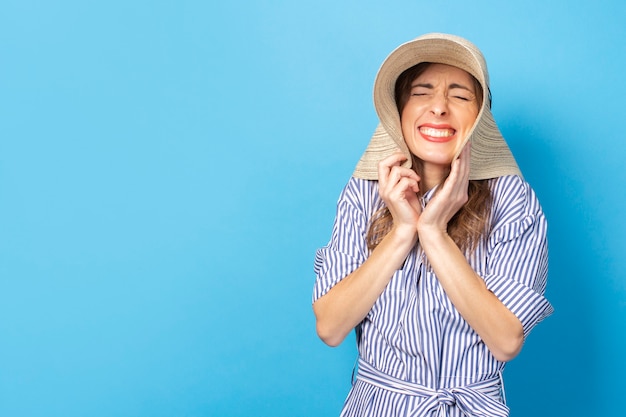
<point x="417" y="355"/>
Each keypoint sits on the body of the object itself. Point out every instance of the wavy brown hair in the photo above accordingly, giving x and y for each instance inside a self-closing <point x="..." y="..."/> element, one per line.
<point x="470" y="223"/>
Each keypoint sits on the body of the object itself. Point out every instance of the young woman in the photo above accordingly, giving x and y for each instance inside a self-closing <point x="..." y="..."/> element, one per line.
<point x="438" y="254"/>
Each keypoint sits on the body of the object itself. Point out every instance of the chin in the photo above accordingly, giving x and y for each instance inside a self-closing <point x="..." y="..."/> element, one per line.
<point x="443" y="160"/>
<point x="434" y="153"/>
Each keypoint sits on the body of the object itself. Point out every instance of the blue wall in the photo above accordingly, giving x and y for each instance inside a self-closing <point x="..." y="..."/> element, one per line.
<point x="167" y="170"/>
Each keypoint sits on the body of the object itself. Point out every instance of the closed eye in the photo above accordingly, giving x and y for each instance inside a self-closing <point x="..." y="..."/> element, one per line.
<point x="421" y="89"/>
<point x="462" y="92"/>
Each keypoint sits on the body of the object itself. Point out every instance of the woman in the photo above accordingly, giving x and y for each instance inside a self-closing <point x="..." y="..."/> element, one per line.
<point x="438" y="254"/>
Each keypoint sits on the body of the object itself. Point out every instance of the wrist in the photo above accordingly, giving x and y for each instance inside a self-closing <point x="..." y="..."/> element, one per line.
<point x="430" y="233"/>
<point x="403" y="235"/>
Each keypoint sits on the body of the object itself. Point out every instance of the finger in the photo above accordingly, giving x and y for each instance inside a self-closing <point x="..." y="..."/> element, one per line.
<point x="459" y="172"/>
<point x="406" y="188"/>
<point x="395" y="159"/>
<point x="391" y="172"/>
<point x="411" y="189"/>
<point x="399" y="192"/>
<point x="464" y="162"/>
<point x="384" y="167"/>
<point x="403" y="201"/>
<point x="397" y="172"/>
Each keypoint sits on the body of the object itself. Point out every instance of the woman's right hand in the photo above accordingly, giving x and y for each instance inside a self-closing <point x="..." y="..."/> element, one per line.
<point x="350" y="300"/>
<point x="398" y="188"/>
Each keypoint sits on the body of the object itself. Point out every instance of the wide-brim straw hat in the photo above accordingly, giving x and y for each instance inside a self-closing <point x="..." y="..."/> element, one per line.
<point x="490" y="154"/>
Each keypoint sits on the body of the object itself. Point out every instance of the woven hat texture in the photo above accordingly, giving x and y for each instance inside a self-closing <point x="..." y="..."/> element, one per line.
<point x="490" y="154"/>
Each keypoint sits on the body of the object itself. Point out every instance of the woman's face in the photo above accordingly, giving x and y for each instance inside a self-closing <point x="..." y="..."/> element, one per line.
<point x="440" y="111"/>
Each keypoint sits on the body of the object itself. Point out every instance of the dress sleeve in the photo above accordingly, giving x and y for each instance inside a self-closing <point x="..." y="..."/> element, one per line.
<point x="517" y="264"/>
<point x="347" y="248"/>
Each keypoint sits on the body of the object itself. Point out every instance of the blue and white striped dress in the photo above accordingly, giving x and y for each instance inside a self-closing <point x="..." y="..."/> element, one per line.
<point x="417" y="355"/>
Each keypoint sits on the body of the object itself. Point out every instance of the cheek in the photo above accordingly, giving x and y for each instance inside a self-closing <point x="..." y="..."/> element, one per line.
<point x="468" y="119"/>
<point x="405" y="121"/>
<point x="473" y="115"/>
<point x="404" y="114"/>
<point x="409" y="115"/>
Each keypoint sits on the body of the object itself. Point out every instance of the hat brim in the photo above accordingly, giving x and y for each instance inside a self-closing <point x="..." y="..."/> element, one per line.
<point x="490" y="154"/>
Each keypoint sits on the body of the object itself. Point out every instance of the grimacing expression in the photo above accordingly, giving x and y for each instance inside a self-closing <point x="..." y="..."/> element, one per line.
<point x="439" y="113"/>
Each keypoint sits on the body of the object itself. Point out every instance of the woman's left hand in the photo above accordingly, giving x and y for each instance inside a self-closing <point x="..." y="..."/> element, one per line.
<point x="450" y="198"/>
<point x="497" y="326"/>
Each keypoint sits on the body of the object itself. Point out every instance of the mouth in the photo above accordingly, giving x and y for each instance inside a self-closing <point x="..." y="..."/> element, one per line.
<point x="437" y="134"/>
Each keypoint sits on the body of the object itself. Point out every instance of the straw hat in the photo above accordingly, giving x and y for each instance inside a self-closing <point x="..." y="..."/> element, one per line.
<point x="490" y="155"/>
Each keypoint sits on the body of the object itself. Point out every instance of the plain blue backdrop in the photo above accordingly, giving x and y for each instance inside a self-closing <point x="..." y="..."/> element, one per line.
<point x="168" y="168"/>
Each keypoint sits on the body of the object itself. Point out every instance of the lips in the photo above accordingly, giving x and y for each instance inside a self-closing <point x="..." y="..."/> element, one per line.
<point x="437" y="134"/>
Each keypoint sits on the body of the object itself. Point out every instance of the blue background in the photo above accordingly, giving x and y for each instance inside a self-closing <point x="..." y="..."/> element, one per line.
<point x="167" y="170"/>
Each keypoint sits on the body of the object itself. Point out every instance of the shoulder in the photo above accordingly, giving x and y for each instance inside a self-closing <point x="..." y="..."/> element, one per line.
<point x="360" y="194"/>
<point x="512" y="193"/>
<point x="515" y="205"/>
<point x="361" y="186"/>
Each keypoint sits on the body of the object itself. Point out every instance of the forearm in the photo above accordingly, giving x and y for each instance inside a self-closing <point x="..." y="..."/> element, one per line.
<point x="350" y="300"/>
<point x="498" y="327"/>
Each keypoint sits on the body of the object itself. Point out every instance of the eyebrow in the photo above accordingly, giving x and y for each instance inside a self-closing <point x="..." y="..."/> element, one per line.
<point x="461" y="86"/>
<point x="450" y="87"/>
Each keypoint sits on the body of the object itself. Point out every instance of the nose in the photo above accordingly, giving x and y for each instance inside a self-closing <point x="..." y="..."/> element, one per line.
<point x="439" y="105"/>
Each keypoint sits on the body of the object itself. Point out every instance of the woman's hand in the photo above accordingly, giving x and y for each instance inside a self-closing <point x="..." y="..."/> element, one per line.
<point x="398" y="188"/>
<point x="498" y="327"/>
<point x="450" y="198"/>
<point x="351" y="299"/>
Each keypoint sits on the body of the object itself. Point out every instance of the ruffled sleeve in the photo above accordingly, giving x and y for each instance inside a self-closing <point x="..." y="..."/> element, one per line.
<point x="517" y="265"/>
<point x="347" y="248"/>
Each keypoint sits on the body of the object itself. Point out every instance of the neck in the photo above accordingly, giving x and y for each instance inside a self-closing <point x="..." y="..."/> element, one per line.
<point x="432" y="175"/>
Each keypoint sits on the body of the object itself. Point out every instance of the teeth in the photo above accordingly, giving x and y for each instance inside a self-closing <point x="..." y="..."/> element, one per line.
<point x="437" y="133"/>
